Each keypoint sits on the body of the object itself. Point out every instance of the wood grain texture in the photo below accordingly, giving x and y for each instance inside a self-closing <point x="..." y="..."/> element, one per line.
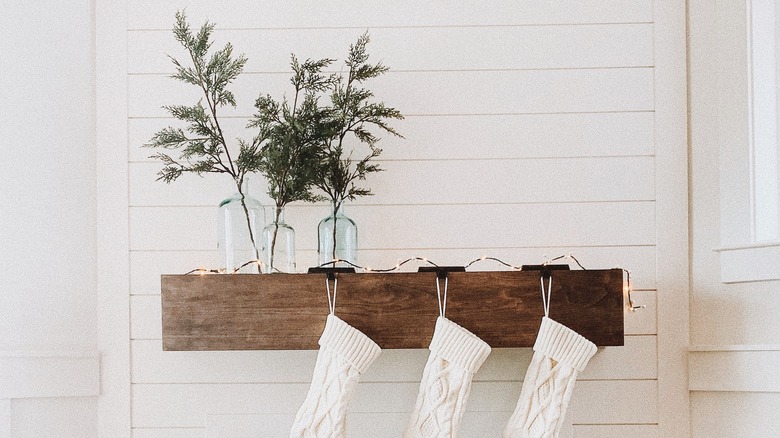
<point x="397" y="310"/>
<point x="146" y="267"/>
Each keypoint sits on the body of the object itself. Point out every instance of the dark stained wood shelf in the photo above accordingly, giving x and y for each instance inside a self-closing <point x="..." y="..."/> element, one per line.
<point x="396" y="310"/>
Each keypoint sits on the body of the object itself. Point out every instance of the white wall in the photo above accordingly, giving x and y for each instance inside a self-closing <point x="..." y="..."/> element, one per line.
<point x="735" y="332"/>
<point x="48" y="328"/>
<point x="559" y="104"/>
<point x="531" y="132"/>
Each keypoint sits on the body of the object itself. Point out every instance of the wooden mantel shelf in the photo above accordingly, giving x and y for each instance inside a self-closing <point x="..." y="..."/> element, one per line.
<point x="397" y="310"/>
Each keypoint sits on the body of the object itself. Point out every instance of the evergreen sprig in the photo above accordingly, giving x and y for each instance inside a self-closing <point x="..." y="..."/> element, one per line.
<point x="201" y="145"/>
<point x="293" y="131"/>
<point x="351" y="114"/>
<point x="291" y="155"/>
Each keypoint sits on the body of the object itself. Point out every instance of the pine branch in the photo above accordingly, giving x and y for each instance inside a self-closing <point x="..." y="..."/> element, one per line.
<point x="291" y="155"/>
<point x="201" y="144"/>
<point x="202" y="148"/>
<point x="352" y="114"/>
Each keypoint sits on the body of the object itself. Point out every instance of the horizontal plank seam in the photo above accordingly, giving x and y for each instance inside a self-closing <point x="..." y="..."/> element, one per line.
<point x="430" y="204"/>
<point x="540" y="113"/>
<point x="480" y="159"/>
<point x="504" y="248"/>
<point x="615" y="424"/>
<point x="174" y="427"/>
<point x="49" y="355"/>
<point x="142" y="294"/>
<point x="150" y="428"/>
<point x="194" y="429"/>
<point x="156" y="294"/>
<point x="412" y="115"/>
<point x="737" y="391"/>
<point x="410" y="249"/>
<point x="627" y="335"/>
<point x="432" y="26"/>
<point x="453" y="204"/>
<point x="734" y="348"/>
<point x="363" y="383"/>
<point x="431" y="70"/>
<point x="167" y="73"/>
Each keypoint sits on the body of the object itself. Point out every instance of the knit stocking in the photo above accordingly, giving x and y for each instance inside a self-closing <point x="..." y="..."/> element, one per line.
<point x="345" y="353"/>
<point x="456" y="354"/>
<point x="559" y="355"/>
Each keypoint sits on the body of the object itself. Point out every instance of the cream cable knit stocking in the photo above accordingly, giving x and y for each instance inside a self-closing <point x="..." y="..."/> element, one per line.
<point x="456" y="354"/>
<point x="559" y="355"/>
<point x="345" y="354"/>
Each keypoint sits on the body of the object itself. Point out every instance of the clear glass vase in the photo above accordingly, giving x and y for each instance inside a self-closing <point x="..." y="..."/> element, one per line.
<point x="337" y="237"/>
<point x="279" y="242"/>
<point x="241" y="221"/>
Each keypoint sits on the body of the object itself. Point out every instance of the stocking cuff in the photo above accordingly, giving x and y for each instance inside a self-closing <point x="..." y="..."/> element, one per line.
<point x="563" y="344"/>
<point x="455" y="344"/>
<point x="350" y="343"/>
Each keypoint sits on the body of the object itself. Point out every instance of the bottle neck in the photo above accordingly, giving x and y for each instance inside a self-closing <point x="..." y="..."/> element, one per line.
<point x="244" y="187"/>
<point x="337" y="210"/>
<point x="279" y="215"/>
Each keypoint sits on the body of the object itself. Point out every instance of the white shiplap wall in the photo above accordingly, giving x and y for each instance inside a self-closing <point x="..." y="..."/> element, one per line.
<point x="529" y="132"/>
<point x="735" y="332"/>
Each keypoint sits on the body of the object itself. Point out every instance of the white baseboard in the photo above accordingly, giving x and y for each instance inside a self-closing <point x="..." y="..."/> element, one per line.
<point x="48" y="374"/>
<point x="5" y="418"/>
<point x="734" y="368"/>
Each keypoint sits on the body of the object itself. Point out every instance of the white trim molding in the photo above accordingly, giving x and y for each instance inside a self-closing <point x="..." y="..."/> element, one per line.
<point x="113" y="284"/>
<point x="748" y="154"/>
<point x="734" y="368"/>
<point x="49" y="374"/>
<point x="671" y="146"/>
<point x="763" y="119"/>
<point x="750" y="262"/>
<point x="5" y="418"/>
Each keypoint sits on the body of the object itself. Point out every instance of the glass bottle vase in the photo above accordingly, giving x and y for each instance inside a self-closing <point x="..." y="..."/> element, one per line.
<point x="337" y="237"/>
<point x="241" y="221"/>
<point x="279" y="242"/>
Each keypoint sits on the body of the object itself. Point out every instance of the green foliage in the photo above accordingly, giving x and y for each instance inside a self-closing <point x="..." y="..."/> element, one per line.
<point x="201" y="145"/>
<point x="290" y="156"/>
<point x="299" y="143"/>
<point x="351" y="115"/>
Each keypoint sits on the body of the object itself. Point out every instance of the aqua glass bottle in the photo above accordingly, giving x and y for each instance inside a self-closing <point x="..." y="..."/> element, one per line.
<point x="279" y="242"/>
<point x="337" y="237"/>
<point x="241" y="221"/>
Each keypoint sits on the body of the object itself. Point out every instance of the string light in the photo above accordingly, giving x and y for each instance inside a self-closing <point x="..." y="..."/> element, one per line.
<point x="399" y="263"/>
<point x="204" y="271"/>
<point x="565" y="256"/>
<point x="494" y="259"/>
<point x="397" y="266"/>
<point x="631" y="306"/>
